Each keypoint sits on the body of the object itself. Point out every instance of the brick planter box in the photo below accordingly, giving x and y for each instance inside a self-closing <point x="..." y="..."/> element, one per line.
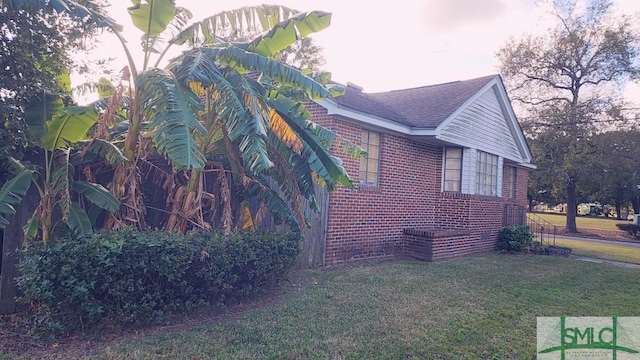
<point x="438" y="244"/>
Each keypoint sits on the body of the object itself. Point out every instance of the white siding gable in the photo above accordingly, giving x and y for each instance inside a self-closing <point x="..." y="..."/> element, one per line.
<point x="482" y="124"/>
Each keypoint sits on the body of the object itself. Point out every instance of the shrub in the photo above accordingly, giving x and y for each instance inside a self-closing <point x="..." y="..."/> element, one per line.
<point x="228" y="267"/>
<point x="631" y="229"/>
<point x="515" y="238"/>
<point x="132" y="276"/>
<point x="127" y="276"/>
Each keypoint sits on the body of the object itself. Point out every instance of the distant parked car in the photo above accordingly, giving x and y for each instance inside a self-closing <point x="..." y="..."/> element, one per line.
<point x="631" y="217"/>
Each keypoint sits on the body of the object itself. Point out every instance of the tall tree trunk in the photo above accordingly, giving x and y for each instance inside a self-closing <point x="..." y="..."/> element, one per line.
<point x="571" y="206"/>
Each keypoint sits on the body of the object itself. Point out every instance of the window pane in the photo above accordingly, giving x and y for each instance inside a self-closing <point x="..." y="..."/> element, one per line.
<point x="369" y="165"/>
<point x="454" y="163"/>
<point x="452" y="175"/>
<point x="452" y="186"/>
<point x="454" y="152"/>
<point x="372" y="165"/>
<point x="374" y="138"/>
<point x="486" y="174"/>
<point x="512" y="182"/>
<point x="373" y="151"/>
<point x="452" y="169"/>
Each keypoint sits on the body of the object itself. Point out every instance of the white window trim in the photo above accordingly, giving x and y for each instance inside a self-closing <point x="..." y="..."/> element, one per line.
<point x="468" y="178"/>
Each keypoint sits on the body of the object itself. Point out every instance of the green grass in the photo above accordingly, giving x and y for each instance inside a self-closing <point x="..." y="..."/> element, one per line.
<point x="602" y="251"/>
<point x="481" y="307"/>
<point x="585" y="222"/>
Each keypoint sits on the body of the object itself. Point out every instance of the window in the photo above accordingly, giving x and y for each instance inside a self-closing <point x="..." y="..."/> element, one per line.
<point x="512" y="182"/>
<point x="486" y="174"/>
<point x="452" y="169"/>
<point x="369" y="165"/>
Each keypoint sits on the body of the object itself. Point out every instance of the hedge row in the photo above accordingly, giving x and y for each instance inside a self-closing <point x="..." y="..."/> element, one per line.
<point x="132" y="276"/>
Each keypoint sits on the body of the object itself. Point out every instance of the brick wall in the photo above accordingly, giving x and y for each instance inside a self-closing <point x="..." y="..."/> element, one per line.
<point x="368" y="222"/>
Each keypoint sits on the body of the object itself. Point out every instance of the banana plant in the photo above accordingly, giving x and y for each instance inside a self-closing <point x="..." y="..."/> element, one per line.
<point x="55" y="183"/>
<point x="168" y="113"/>
<point x="13" y="191"/>
<point x="213" y="111"/>
<point x="257" y="126"/>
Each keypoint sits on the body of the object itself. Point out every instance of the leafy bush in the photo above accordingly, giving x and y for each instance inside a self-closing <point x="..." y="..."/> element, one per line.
<point x="631" y="229"/>
<point x="131" y="276"/>
<point x="228" y="267"/>
<point x="515" y="238"/>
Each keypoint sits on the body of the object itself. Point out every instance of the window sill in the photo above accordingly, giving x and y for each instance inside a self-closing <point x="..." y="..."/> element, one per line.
<point x="459" y="195"/>
<point x="368" y="188"/>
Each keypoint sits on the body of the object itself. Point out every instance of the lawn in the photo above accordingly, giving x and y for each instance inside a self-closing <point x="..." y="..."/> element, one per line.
<point x="480" y="307"/>
<point x="585" y="222"/>
<point x="602" y="251"/>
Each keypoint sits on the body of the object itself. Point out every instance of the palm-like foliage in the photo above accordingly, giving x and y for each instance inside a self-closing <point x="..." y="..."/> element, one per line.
<point x="56" y="184"/>
<point x="227" y="116"/>
<point x="263" y="135"/>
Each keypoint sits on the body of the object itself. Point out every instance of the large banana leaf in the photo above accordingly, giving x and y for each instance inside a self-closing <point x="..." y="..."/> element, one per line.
<point x="243" y="62"/>
<point x="250" y="126"/>
<point x="30" y="229"/>
<point x="11" y="194"/>
<point x="289" y="31"/>
<point x="69" y="124"/>
<point x="326" y="166"/>
<point x="97" y="194"/>
<point x="100" y="148"/>
<point x="239" y="102"/>
<point x="243" y="20"/>
<point x="160" y="43"/>
<point x="152" y="16"/>
<point x="170" y="110"/>
<point x="39" y="109"/>
<point x="296" y="168"/>
<point x="60" y="182"/>
<point x="78" y="221"/>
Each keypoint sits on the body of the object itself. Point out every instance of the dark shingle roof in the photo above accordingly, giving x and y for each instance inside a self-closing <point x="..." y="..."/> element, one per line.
<point x="355" y="99"/>
<point x="423" y="107"/>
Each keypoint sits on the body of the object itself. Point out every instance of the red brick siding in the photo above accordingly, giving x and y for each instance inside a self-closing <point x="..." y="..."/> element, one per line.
<point x="368" y="222"/>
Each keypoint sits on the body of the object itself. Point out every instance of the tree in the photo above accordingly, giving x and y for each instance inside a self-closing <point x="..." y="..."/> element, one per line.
<point x="34" y="56"/>
<point x="565" y="83"/>
<point x="303" y="54"/>
<point x="616" y="166"/>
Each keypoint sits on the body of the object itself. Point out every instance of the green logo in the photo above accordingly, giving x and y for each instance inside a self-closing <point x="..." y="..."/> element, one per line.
<point x="588" y="337"/>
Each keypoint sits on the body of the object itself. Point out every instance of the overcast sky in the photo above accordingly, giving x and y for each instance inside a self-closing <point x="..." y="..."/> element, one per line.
<point x="386" y="45"/>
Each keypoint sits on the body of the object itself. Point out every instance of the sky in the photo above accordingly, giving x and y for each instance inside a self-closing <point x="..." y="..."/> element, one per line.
<point x="387" y="45"/>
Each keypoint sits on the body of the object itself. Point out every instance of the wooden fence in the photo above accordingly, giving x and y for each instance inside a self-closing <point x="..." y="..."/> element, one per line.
<point x="313" y="247"/>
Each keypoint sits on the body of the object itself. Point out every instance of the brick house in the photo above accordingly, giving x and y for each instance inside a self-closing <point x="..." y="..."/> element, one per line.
<point x="447" y="168"/>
